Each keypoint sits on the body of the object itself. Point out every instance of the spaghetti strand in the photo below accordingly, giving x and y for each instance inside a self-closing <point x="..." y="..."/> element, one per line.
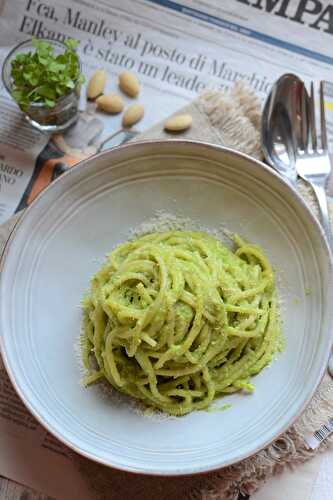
<point x="177" y="319"/>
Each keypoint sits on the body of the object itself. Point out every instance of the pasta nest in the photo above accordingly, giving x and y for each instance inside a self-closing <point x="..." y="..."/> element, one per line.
<point x="177" y="319"/>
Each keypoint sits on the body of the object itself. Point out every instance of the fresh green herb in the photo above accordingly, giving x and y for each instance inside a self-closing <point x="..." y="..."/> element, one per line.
<point x="43" y="77"/>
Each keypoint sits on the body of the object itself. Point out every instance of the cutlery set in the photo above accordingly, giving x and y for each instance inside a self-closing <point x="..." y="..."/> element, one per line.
<point x="291" y="145"/>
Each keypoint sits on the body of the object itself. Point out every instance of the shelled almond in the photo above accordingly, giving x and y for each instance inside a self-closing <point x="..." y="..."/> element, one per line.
<point x="96" y="84"/>
<point x="132" y="115"/>
<point x="129" y="84"/>
<point x="110" y="103"/>
<point x="178" y="123"/>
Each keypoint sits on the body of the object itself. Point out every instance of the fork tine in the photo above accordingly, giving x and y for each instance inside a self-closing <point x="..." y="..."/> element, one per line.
<point x="313" y="119"/>
<point x="304" y="119"/>
<point x="322" y="118"/>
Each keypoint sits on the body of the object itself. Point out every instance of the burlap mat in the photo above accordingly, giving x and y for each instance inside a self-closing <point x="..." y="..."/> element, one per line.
<point x="232" y="120"/>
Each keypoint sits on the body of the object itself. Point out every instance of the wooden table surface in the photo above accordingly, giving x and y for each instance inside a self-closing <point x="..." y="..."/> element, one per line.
<point x="9" y="490"/>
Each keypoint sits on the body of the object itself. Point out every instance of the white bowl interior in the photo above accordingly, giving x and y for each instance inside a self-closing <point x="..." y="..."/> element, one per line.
<point x="62" y="241"/>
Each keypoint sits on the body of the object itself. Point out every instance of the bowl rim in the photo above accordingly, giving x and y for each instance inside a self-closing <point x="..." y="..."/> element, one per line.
<point x="155" y="143"/>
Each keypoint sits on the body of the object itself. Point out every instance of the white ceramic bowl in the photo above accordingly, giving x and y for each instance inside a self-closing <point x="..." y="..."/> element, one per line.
<point x="60" y="242"/>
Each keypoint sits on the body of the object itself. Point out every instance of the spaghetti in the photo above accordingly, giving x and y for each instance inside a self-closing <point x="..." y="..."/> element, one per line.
<point x="176" y="319"/>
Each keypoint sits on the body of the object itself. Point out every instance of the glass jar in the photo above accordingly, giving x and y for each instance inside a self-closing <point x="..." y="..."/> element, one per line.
<point x="66" y="110"/>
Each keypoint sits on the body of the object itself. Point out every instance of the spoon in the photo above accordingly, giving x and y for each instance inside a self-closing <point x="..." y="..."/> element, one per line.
<point x="283" y="131"/>
<point x="281" y="125"/>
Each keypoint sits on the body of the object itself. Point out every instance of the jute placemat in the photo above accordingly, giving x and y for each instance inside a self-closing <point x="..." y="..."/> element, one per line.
<point x="232" y="120"/>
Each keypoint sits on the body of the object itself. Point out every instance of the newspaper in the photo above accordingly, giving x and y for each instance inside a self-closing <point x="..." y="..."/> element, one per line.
<point x="178" y="50"/>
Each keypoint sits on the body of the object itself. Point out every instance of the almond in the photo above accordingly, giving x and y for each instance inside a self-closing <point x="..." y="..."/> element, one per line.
<point x="132" y="115"/>
<point x="129" y="84"/>
<point x="178" y="123"/>
<point x="96" y="84"/>
<point x="110" y="103"/>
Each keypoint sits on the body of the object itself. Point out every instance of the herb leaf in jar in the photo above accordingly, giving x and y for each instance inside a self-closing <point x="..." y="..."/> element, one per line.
<point x="42" y="76"/>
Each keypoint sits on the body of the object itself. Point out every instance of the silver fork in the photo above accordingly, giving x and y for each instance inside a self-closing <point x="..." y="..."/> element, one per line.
<point x="312" y="161"/>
